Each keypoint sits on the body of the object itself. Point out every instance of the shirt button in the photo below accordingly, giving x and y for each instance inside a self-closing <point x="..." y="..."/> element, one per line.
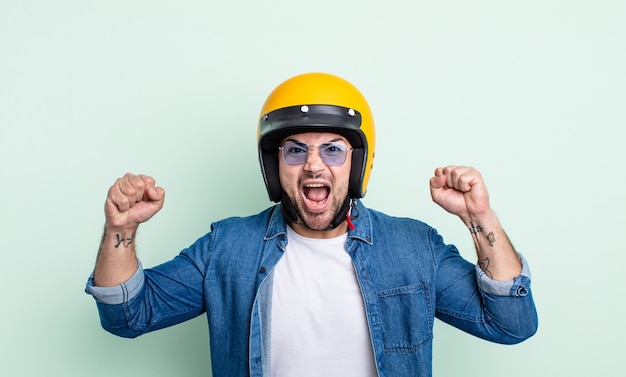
<point x="522" y="291"/>
<point x="262" y="270"/>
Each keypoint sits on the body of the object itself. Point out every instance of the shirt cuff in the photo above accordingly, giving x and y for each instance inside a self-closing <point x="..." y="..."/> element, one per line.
<point x="118" y="294"/>
<point x="518" y="286"/>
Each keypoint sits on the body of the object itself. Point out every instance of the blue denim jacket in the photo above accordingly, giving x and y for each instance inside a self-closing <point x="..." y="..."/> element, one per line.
<point x="407" y="275"/>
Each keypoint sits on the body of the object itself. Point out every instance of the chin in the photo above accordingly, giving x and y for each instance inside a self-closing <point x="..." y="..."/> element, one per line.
<point x="317" y="221"/>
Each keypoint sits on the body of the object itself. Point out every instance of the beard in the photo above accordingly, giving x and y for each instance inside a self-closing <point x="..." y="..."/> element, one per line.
<point x="318" y="220"/>
<point x="296" y="212"/>
<point x="301" y="203"/>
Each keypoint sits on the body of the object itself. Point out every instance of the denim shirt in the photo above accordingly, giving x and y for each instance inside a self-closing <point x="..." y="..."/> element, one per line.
<point x="407" y="275"/>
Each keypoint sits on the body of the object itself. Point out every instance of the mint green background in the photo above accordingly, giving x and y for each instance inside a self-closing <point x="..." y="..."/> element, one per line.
<point x="530" y="92"/>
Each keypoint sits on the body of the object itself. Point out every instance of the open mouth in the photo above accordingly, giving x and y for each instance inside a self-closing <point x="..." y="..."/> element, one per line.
<point x="315" y="196"/>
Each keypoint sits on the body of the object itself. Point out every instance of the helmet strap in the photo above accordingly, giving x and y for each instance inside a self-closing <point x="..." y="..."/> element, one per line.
<point x="290" y="213"/>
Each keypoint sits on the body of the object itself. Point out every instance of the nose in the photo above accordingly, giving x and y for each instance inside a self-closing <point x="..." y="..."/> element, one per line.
<point x="314" y="161"/>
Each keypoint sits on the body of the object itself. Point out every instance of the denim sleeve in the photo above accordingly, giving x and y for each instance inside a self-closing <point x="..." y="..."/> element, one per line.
<point x="502" y="312"/>
<point x="518" y="286"/>
<point x="118" y="294"/>
<point x="156" y="297"/>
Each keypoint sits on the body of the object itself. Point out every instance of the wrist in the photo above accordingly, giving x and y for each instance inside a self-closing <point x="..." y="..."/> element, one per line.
<point x="484" y="220"/>
<point x="126" y="229"/>
<point x="119" y="237"/>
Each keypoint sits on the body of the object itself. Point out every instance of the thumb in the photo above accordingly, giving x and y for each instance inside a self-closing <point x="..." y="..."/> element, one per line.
<point x="155" y="194"/>
<point x="438" y="189"/>
<point x="437" y="182"/>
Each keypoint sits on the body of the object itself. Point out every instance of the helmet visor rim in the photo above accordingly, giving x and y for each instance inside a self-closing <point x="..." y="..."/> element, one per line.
<point x="283" y="122"/>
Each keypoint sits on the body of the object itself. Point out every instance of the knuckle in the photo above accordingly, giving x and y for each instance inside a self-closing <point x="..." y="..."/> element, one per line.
<point x="129" y="191"/>
<point x="123" y="203"/>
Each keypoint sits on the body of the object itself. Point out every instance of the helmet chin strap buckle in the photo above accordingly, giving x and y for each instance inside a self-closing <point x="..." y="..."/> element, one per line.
<point x="349" y="216"/>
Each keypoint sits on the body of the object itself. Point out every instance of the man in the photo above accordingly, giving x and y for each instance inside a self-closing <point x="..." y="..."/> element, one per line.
<point x="318" y="285"/>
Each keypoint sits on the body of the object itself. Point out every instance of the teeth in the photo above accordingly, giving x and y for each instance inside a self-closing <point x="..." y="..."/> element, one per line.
<point x="314" y="185"/>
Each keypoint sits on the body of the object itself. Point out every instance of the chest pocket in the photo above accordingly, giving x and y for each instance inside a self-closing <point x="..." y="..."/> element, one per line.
<point x="407" y="316"/>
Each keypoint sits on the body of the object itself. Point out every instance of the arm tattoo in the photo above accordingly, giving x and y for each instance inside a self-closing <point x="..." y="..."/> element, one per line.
<point x="475" y="229"/>
<point x="484" y="265"/>
<point x="126" y="242"/>
<point x="491" y="238"/>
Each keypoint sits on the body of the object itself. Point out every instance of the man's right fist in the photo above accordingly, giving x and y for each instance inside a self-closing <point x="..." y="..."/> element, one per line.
<point x="132" y="200"/>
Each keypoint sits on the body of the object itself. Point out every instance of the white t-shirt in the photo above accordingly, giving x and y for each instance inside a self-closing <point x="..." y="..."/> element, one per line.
<point x="319" y="327"/>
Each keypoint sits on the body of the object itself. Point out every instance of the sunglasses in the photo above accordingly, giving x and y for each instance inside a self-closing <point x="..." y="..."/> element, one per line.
<point x="332" y="153"/>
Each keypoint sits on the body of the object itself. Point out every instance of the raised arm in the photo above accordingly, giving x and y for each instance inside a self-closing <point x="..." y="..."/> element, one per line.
<point x="132" y="200"/>
<point x="460" y="190"/>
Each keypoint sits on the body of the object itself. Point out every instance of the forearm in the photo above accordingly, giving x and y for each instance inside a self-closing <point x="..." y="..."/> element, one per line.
<point x="156" y="297"/>
<point x="496" y="255"/>
<point x="116" y="261"/>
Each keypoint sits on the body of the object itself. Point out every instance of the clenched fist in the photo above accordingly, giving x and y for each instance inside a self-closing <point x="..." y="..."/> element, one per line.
<point x="460" y="190"/>
<point x="132" y="200"/>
